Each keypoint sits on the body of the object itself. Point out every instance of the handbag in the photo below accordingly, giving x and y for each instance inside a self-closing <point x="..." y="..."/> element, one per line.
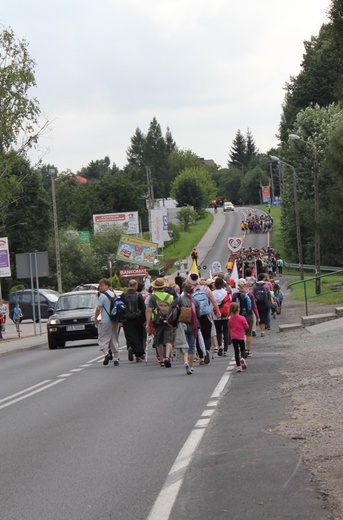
<point x="185" y="315"/>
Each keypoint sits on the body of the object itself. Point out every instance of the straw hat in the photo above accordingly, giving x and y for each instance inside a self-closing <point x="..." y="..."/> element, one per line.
<point x="210" y="281"/>
<point x="159" y="283"/>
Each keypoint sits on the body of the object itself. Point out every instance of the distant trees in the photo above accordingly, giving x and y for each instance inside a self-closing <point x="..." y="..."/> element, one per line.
<point x="194" y="187"/>
<point x="243" y="150"/>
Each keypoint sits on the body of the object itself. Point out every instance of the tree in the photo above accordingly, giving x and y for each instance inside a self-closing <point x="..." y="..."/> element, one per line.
<point x="251" y="185"/>
<point x="97" y="169"/>
<point x="194" y="187"/>
<point x="19" y="112"/>
<point x="135" y="153"/>
<point x="238" y="150"/>
<point x="251" y="149"/>
<point x="186" y="216"/>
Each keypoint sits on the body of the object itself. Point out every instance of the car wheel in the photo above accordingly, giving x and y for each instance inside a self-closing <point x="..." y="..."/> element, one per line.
<point x="52" y="343"/>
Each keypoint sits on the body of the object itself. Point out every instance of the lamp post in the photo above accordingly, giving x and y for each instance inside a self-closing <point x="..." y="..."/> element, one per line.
<point x="294" y="137"/>
<point x="297" y="214"/>
<point x="52" y="173"/>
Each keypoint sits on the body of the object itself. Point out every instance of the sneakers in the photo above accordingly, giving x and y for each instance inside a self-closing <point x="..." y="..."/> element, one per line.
<point x="254" y="332"/>
<point x="225" y="353"/>
<point x="239" y="369"/>
<point x="167" y="363"/>
<point x="243" y="363"/>
<point x="220" y="351"/>
<point x="215" y="350"/>
<point x="263" y="334"/>
<point x="107" y="358"/>
<point x="190" y="370"/>
<point x="248" y="353"/>
<point x="116" y="362"/>
<point x="207" y="358"/>
<point x="140" y="359"/>
<point x="129" y="354"/>
<point x="186" y="365"/>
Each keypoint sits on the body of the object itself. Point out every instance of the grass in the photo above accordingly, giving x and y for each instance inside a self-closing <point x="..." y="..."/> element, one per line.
<point x="331" y="290"/>
<point x="180" y="249"/>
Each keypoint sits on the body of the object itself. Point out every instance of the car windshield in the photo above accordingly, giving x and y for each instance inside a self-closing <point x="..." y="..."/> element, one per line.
<point x="79" y="300"/>
<point x="52" y="296"/>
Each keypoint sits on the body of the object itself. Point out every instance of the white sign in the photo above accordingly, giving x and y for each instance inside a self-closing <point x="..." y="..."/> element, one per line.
<point x="5" y="267"/>
<point x="234" y="244"/>
<point x="159" y="226"/>
<point x="127" y="221"/>
<point x="216" y="268"/>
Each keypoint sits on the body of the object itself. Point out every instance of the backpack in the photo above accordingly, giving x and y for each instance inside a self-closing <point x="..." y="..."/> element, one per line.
<point x="162" y="309"/>
<point x="260" y="293"/>
<point x="117" y="309"/>
<point x="224" y="306"/>
<point x="132" y="311"/>
<point x="201" y="297"/>
<point x="244" y="302"/>
<point x="172" y="317"/>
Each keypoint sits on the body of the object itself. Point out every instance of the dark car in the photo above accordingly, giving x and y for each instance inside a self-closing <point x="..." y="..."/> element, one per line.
<point x="73" y="318"/>
<point x="47" y="301"/>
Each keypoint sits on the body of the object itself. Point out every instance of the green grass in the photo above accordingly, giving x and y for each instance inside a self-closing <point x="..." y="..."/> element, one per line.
<point x="331" y="290"/>
<point x="181" y="249"/>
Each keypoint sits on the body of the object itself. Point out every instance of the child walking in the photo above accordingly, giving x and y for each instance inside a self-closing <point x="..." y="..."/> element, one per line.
<point x="17" y="315"/>
<point x="237" y="325"/>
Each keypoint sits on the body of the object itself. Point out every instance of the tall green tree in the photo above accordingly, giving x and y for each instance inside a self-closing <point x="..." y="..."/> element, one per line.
<point x="194" y="187"/>
<point x="238" y="150"/>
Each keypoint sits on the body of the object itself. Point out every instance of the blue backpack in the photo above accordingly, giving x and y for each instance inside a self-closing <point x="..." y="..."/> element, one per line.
<point x="118" y="310"/>
<point x="201" y="297"/>
<point x="245" y="304"/>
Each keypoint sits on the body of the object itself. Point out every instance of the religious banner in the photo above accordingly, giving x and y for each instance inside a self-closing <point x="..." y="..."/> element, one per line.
<point x="234" y="244"/>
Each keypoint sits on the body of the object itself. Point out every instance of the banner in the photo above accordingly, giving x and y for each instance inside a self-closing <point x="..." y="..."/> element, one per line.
<point x="265" y="194"/>
<point x="128" y="221"/>
<point x="234" y="244"/>
<point x="132" y="273"/>
<point x="159" y="226"/>
<point x="5" y="267"/>
<point x="137" y="251"/>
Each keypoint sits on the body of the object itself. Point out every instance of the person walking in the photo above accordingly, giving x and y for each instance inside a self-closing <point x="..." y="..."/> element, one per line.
<point x="16" y="317"/>
<point x="108" y="331"/>
<point x="262" y="296"/>
<point x="3" y="316"/>
<point x="134" y="328"/>
<point x="247" y="308"/>
<point x="203" y="295"/>
<point x="223" y="299"/>
<point x="187" y="327"/>
<point x="238" y="325"/>
<point x="156" y="313"/>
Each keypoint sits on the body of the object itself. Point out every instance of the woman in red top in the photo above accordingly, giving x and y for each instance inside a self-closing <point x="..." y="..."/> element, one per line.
<point x="238" y="325"/>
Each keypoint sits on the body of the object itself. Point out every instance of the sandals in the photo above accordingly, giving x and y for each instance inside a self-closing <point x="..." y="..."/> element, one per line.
<point x="167" y="363"/>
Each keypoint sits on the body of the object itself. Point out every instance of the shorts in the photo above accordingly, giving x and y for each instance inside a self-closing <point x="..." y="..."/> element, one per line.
<point x="163" y="335"/>
<point x="250" y="320"/>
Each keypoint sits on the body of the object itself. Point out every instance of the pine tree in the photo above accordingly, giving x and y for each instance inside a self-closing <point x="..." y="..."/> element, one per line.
<point x="238" y="151"/>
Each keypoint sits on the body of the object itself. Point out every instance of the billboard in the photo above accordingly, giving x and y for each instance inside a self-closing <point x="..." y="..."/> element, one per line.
<point x="128" y="221"/>
<point x="5" y="267"/>
<point x="137" y="251"/>
<point x="265" y="194"/>
<point x="159" y="226"/>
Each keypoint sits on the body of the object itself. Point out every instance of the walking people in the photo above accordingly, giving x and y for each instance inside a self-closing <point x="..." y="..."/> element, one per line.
<point x="108" y="331"/>
<point x="17" y="316"/>
<point x="238" y="325"/>
<point x="134" y="328"/>
<point x="203" y="295"/>
<point x="156" y="312"/>
<point x="187" y="328"/>
<point x="3" y="316"/>
<point x="262" y="296"/>
<point x="223" y="299"/>
<point x="247" y="308"/>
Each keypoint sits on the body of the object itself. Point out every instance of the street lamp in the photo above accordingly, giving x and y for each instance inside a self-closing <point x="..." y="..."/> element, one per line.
<point x="52" y="173"/>
<point x="294" y="137"/>
<point x="297" y="215"/>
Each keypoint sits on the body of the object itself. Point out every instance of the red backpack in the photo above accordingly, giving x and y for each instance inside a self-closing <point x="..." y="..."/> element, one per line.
<point x="224" y="306"/>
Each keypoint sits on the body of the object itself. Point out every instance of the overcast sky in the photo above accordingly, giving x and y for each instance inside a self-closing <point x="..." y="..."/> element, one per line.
<point x="203" y="68"/>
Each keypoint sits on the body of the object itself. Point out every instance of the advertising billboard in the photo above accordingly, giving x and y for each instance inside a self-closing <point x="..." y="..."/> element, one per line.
<point x="5" y="268"/>
<point x="137" y="251"/>
<point x="127" y="221"/>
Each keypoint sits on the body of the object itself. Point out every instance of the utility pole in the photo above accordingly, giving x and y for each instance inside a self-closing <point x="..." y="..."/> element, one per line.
<point x="52" y="172"/>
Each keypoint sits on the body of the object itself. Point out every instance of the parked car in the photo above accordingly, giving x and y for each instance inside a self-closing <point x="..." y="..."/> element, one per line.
<point x="73" y="318"/>
<point x="228" y="206"/>
<point x="47" y="301"/>
<point x="86" y="287"/>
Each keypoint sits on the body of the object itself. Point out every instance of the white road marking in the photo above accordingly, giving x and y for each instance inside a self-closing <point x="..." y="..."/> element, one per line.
<point x="65" y="375"/>
<point x="168" y="494"/>
<point x="76" y="370"/>
<point x="23" y="391"/>
<point x="31" y="393"/>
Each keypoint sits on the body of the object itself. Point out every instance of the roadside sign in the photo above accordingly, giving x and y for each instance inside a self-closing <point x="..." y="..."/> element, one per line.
<point x="216" y="267"/>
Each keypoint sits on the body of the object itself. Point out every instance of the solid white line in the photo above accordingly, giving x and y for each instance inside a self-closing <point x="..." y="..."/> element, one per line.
<point x="165" y="500"/>
<point x="221" y="385"/>
<point x="23" y="391"/>
<point x="31" y="393"/>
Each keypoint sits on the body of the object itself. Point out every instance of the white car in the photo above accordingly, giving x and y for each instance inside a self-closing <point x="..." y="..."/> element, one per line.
<point x="228" y="206"/>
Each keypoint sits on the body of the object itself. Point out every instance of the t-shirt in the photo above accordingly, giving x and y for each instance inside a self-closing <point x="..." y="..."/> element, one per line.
<point x="237" y="325"/>
<point x="105" y="303"/>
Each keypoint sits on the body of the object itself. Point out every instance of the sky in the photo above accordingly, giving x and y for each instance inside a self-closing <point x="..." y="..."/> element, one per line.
<point x="205" y="69"/>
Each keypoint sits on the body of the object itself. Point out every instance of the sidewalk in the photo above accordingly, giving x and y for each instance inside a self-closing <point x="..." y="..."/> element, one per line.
<point x="28" y="339"/>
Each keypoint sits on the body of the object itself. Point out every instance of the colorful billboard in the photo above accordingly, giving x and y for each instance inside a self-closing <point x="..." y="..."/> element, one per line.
<point x="128" y="221"/>
<point x="266" y="194"/>
<point x="137" y="251"/>
<point x="5" y="267"/>
<point x="159" y="226"/>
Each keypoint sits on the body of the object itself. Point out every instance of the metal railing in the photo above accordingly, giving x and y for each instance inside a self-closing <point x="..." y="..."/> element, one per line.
<point x="337" y="288"/>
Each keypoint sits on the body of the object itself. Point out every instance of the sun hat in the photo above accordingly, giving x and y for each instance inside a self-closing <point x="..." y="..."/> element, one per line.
<point x="210" y="281"/>
<point x="159" y="283"/>
<point x="193" y="278"/>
